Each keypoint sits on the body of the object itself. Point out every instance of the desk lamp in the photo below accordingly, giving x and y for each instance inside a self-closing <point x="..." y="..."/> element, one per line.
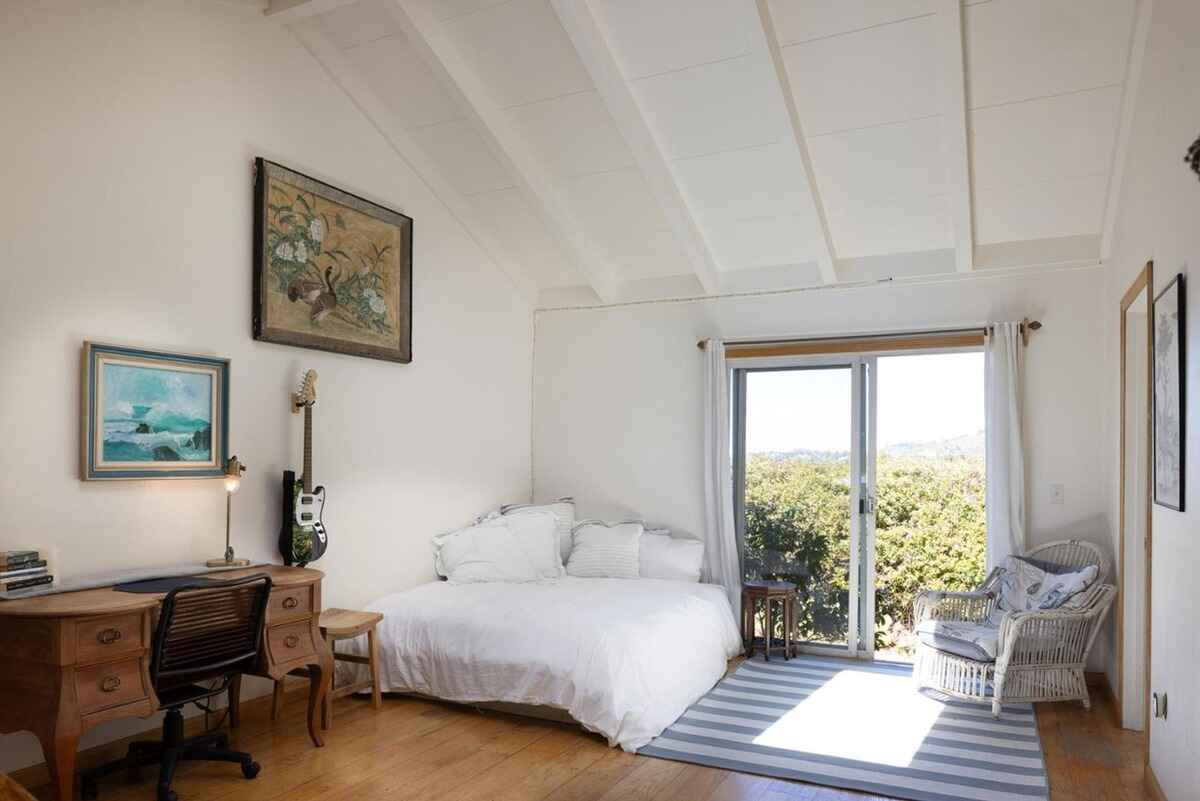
<point x="233" y="481"/>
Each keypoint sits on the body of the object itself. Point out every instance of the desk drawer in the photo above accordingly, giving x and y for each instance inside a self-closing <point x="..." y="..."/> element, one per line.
<point x="113" y="684"/>
<point x="103" y="638"/>
<point x="287" y="603"/>
<point x="290" y="641"/>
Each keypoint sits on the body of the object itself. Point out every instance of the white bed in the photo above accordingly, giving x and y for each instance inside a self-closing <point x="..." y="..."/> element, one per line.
<point x="623" y="657"/>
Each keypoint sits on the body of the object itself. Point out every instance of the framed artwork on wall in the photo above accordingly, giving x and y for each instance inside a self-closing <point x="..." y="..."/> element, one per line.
<point x="1169" y="401"/>
<point x="332" y="271"/>
<point x="151" y="414"/>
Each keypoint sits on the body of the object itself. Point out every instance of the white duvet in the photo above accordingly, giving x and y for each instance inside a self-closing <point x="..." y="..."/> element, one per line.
<point x="625" y="657"/>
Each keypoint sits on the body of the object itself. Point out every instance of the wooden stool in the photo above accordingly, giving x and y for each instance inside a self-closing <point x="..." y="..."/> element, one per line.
<point x="343" y="624"/>
<point x="770" y="593"/>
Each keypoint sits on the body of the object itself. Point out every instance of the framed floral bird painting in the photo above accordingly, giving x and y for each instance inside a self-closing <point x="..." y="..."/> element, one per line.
<point x="332" y="271"/>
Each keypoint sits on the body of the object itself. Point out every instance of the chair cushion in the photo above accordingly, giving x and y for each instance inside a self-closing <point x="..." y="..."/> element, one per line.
<point x="1026" y="587"/>
<point x="978" y="641"/>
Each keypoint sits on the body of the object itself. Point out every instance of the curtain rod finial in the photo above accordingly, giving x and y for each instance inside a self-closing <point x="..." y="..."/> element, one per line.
<point x="702" y="344"/>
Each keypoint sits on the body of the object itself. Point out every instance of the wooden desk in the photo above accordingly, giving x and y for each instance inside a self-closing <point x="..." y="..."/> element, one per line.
<point x="77" y="659"/>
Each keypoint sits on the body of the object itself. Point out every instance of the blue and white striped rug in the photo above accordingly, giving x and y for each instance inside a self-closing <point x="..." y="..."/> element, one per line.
<point x="859" y="726"/>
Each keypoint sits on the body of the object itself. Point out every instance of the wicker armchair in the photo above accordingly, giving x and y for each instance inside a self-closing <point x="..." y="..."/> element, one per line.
<point x="1040" y="655"/>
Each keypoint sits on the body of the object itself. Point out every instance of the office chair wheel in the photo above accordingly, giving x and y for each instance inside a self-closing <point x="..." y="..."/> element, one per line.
<point x="165" y="793"/>
<point x="250" y="769"/>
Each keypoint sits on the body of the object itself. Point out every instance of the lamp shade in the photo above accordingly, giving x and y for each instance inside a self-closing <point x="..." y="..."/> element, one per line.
<point x="233" y="474"/>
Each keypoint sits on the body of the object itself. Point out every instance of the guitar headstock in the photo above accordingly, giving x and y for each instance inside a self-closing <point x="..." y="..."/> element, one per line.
<point x="307" y="395"/>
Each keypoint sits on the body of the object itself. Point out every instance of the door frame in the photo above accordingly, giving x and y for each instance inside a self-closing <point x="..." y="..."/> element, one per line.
<point x="862" y="536"/>
<point x="1143" y="282"/>
<point x="861" y="532"/>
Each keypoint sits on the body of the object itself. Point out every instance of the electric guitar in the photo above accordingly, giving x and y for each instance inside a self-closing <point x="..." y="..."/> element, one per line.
<point x="303" y="537"/>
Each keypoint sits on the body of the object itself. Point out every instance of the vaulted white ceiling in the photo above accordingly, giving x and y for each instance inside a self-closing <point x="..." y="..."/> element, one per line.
<point x="623" y="149"/>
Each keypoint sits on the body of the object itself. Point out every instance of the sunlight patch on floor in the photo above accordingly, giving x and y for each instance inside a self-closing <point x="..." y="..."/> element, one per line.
<point x="869" y="717"/>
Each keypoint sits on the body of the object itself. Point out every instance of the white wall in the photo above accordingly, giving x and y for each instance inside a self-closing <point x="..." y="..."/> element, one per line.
<point x="127" y="136"/>
<point x="1159" y="219"/>
<point x="618" y="400"/>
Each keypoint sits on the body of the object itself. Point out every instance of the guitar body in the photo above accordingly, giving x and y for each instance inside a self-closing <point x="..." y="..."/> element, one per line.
<point x="302" y="538"/>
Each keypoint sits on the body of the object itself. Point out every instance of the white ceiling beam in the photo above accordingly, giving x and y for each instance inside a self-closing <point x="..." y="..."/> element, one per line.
<point x="492" y="123"/>
<point x="290" y="11"/>
<point x="592" y="45"/>
<point x="768" y="40"/>
<point x="1129" y="91"/>
<point x="955" y="144"/>
<point x="347" y="77"/>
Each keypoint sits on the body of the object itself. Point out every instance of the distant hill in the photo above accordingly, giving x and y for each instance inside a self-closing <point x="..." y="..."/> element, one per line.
<point x="805" y="456"/>
<point x="966" y="445"/>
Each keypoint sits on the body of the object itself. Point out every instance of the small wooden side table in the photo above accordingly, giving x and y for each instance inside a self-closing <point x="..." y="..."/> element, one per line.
<point x="770" y="593"/>
<point x="344" y="624"/>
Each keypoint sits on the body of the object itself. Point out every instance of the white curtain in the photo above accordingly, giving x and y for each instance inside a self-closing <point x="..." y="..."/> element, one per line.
<point x="721" y="548"/>
<point x="1005" y="368"/>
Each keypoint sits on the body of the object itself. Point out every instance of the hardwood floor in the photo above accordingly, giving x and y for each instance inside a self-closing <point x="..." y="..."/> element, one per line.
<point x="415" y="750"/>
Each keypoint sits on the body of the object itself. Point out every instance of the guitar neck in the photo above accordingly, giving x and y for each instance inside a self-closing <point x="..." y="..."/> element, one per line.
<point x="308" y="448"/>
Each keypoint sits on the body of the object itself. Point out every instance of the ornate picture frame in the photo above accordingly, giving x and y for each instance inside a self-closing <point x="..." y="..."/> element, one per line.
<point x="152" y="414"/>
<point x="332" y="270"/>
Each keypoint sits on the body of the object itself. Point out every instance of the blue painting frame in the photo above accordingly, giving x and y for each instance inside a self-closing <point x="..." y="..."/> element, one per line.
<point x="133" y="423"/>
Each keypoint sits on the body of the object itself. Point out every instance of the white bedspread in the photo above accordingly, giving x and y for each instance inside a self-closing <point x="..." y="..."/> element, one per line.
<point x="625" y="657"/>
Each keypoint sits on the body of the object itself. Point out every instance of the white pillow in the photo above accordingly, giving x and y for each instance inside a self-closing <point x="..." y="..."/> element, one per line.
<point x="1025" y="587"/>
<point x="662" y="556"/>
<point x="563" y="509"/>
<point x="484" y="552"/>
<point x="536" y="531"/>
<point x="605" y="550"/>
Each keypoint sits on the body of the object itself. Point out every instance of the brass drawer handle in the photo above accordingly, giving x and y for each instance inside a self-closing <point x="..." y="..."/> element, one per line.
<point x="290" y="602"/>
<point x="109" y="636"/>
<point x="291" y="641"/>
<point x="110" y="684"/>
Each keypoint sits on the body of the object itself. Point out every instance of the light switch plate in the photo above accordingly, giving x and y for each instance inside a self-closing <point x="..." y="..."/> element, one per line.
<point x="1058" y="494"/>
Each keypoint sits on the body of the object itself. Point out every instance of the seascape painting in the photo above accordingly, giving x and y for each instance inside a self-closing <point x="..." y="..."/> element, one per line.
<point x="156" y="415"/>
<point x="332" y="271"/>
<point x="1169" y="405"/>
<point x="149" y="414"/>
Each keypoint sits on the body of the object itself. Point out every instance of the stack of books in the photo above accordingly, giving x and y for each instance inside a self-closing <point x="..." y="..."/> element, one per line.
<point x="23" y="570"/>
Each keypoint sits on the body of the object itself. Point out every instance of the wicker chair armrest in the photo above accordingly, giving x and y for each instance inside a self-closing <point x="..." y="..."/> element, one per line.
<point x="973" y="607"/>
<point x="1053" y="637"/>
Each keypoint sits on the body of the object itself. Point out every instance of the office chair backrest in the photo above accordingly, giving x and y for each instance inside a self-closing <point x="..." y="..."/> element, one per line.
<point x="209" y="631"/>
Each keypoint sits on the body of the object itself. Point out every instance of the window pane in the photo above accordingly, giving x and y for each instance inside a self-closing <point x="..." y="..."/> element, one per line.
<point x="797" y="492"/>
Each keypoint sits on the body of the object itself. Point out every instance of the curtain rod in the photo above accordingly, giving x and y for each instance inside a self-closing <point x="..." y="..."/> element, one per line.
<point x="1027" y="326"/>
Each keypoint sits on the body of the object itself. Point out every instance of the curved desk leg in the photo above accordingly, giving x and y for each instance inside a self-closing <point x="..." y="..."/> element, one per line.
<point x="319" y="676"/>
<point x="59" y="750"/>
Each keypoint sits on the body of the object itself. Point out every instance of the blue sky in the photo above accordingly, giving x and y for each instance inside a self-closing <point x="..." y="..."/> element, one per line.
<point x="921" y="398"/>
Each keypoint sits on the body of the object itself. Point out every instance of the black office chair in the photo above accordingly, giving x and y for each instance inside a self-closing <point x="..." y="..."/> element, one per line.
<point x="206" y="635"/>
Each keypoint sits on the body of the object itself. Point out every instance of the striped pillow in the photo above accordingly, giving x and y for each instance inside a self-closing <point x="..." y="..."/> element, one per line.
<point x="603" y="550"/>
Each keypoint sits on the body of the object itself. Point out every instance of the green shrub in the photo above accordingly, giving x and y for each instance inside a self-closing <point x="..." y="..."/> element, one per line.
<point x="929" y="529"/>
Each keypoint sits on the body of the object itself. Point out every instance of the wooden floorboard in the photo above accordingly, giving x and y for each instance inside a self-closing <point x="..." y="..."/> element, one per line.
<point x="417" y="750"/>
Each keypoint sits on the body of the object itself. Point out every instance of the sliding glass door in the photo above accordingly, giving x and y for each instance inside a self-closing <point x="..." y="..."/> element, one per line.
<point x="807" y="454"/>
<point x="804" y="488"/>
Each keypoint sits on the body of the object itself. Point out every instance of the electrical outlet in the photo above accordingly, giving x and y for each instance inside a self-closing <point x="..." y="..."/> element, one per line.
<point x="1057" y="494"/>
